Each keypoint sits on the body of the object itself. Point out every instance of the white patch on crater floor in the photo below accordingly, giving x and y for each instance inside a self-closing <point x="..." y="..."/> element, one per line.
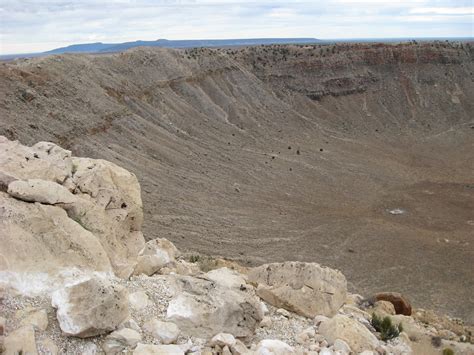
<point x="397" y="211"/>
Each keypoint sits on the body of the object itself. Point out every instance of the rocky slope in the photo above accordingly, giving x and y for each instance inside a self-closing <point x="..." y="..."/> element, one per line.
<point x="78" y="278"/>
<point x="358" y="157"/>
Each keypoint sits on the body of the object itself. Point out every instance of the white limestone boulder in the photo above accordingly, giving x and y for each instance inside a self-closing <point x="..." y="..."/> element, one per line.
<point x="165" y="332"/>
<point x="204" y="308"/>
<point x="307" y="289"/>
<point x="356" y="335"/>
<point x="227" y="277"/>
<point x="90" y="307"/>
<point x="102" y="203"/>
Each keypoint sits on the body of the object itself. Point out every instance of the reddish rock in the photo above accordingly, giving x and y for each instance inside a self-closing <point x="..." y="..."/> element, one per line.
<point x="401" y="304"/>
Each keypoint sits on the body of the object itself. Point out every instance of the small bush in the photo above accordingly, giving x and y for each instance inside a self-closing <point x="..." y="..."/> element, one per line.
<point x="194" y="258"/>
<point x="436" y="342"/>
<point x="448" y="351"/>
<point x="385" y="327"/>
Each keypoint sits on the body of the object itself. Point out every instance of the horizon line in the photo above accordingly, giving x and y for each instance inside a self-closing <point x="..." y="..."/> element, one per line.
<point x="338" y="39"/>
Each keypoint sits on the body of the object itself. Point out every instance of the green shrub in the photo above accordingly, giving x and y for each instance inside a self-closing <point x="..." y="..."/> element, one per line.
<point x="385" y="327"/>
<point x="448" y="351"/>
<point x="194" y="258"/>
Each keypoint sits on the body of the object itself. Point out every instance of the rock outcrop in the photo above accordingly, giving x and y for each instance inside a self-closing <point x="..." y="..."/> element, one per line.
<point x="59" y="212"/>
<point x="306" y="289"/>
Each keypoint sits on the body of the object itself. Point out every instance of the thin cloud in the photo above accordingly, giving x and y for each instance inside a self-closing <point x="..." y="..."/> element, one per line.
<point x="443" y="10"/>
<point x="38" y="25"/>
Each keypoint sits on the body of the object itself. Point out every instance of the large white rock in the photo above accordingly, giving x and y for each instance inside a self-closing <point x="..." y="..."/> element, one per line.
<point x="274" y="347"/>
<point x="356" y="335"/>
<point x="165" y="332"/>
<point x="90" y="307"/>
<point x="307" y="289"/>
<point x="204" y="308"/>
<point x="226" y="277"/>
<point x="43" y="191"/>
<point x="156" y="254"/>
<point x="102" y="227"/>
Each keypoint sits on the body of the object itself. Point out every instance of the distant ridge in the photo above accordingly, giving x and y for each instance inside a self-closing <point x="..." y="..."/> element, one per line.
<point x="117" y="47"/>
<point x="99" y="47"/>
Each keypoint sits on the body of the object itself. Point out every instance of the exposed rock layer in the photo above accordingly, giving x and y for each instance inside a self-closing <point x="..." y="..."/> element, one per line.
<point x="372" y="128"/>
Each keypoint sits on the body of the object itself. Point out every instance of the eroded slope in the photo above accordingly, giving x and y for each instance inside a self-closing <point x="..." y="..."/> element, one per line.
<point x="300" y="154"/>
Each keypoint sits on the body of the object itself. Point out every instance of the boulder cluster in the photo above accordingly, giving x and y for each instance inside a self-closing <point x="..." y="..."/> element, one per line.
<point x="77" y="277"/>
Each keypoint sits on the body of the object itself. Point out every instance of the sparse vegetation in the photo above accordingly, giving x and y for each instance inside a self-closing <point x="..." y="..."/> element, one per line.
<point x="194" y="258"/>
<point x="385" y="327"/>
<point x="205" y="263"/>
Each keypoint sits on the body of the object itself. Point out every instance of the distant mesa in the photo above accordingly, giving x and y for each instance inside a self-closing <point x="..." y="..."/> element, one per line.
<point x="100" y="47"/>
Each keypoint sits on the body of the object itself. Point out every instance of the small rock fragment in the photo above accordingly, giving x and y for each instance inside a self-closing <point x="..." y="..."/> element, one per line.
<point x="166" y="332"/>
<point x="239" y="348"/>
<point x="138" y="300"/>
<point x="223" y="339"/>
<point x="119" y="340"/>
<point x="283" y="312"/>
<point x="342" y="346"/>
<point x="130" y="324"/>
<point x="266" y="322"/>
<point x="21" y="341"/>
<point x="305" y="336"/>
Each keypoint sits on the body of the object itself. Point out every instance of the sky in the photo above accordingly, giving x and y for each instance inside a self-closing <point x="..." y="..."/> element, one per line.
<point x="37" y="25"/>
